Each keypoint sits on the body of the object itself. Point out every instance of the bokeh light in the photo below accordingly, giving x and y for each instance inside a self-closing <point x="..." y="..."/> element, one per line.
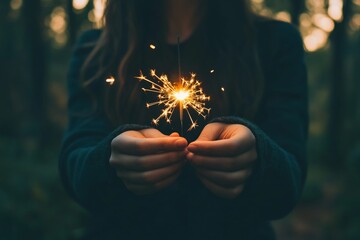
<point x="58" y="25"/>
<point x="283" y="16"/>
<point x="16" y="4"/>
<point x="96" y="15"/>
<point x="79" y="4"/>
<point x="335" y="9"/>
<point x="315" y="40"/>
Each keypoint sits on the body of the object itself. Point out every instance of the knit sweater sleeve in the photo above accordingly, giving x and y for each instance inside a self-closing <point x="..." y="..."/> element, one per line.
<point x="84" y="158"/>
<point x="280" y="132"/>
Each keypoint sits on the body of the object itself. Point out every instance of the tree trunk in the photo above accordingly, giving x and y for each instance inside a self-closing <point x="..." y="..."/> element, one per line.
<point x="297" y="7"/>
<point x="72" y="24"/>
<point x="7" y="58"/>
<point x="337" y="88"/>
<point x="34" y="25"/>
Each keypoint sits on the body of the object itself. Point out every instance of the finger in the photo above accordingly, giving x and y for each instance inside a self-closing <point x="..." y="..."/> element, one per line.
<point x="152" y="133"/>
<point x="149" y="177"/>
<point x="139" y="189"/>
<point x="147" y="162"/>
<point x="225" y="179"/>
<point x="227" y="164"/>
<point x="225" y="147"/>
<point x="174" y="134"/>
<point x="211" y="132"/>
<point x="143" y="146"/>
<point x="229" y="193"/>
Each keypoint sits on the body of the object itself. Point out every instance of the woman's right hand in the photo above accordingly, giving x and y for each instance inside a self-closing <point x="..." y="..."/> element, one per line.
<point x="147" y="160"/>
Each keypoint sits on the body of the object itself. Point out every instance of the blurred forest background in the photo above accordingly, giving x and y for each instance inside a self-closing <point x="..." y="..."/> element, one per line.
<point x="36" y="39"/>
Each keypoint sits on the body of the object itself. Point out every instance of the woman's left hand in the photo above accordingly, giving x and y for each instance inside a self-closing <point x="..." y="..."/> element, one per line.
<point x="223" y="157"/>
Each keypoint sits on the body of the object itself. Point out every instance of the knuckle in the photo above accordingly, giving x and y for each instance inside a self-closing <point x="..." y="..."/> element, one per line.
<point x="236" y="191"/>
<point x="175" y="156"/>
<point x="253" y="154"/>
<point x="119" y="174"/>
<point x="112" y="160"/>
<point x="198" y="160"/>
<point x="248" y="173"/>
<point x="141" y="162"/>
<point x="137" y="147"/>
<point x="147" y="177"/>
<point x="231" y="164"/>
<point x="115" y="142"/>
<point x="228" y="178"/>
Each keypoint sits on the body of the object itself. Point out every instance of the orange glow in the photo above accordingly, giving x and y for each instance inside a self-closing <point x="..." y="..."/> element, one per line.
<point x="335" y="9"/>
<point x="315" y="40"/>
<point x="57" y="24"/>
<point x="79" y="4"/>
<point x="324" y="22"/>
<point x="283" y="16"/>
<point x="355" y="21"/>
<point x="305" y="20"/>
<point x="97" y="13"/>
<point x="16" y="4"/>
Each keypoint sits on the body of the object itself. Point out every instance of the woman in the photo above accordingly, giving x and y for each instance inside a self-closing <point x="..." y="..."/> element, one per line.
<point x="239" y="169"/>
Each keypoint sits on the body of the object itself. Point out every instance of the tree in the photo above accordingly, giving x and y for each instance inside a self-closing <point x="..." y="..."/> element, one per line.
<point x="337" y="86"/>
<point x="297" y="7"/>
<point x="34" y="25"/>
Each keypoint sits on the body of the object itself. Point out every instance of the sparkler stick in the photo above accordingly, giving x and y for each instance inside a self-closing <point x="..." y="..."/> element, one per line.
<point x="181" y="110"/>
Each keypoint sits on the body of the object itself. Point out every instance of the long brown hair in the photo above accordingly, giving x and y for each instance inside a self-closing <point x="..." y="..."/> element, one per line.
<point x="119" y="50"/>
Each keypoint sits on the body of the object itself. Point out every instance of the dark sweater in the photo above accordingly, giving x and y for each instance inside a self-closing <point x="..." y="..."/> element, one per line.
<point x="187" y="210"/>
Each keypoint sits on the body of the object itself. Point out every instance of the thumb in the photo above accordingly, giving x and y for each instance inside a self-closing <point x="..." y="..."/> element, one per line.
<point x="211" y="132"/>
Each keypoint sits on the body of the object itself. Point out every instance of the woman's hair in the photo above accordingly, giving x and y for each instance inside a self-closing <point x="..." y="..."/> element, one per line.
<point x="128" y="28"/>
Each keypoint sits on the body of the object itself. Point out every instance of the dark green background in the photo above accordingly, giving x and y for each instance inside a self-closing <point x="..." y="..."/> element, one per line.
<point x="33" y="66"/>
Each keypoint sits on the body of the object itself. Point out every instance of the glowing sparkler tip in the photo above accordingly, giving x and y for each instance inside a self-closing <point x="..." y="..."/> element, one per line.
<point x="110" y="80"/>
<point x="152" y="46"/>
<point x="188" y="96"/>
<point x="212" y="71"/>
<point x="223" y="89"/>
<point x="193" y="126"/>
<point x="181" y="95"/>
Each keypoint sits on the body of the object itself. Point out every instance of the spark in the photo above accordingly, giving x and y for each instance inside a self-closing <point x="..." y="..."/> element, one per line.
<point x="212" y="71"/>
<point x="152" y="46"/>
<point x="223" y="89"/>
<point x="110" y="80"/>
<point x="187" y="95"/>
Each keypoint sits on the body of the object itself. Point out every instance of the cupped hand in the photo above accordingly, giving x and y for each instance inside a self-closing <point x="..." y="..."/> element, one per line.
<point x="223" y="157"/>
<point x="147" y="160"/>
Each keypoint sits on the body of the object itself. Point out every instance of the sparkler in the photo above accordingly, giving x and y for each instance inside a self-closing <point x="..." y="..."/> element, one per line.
<point x="187" y="95"/>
